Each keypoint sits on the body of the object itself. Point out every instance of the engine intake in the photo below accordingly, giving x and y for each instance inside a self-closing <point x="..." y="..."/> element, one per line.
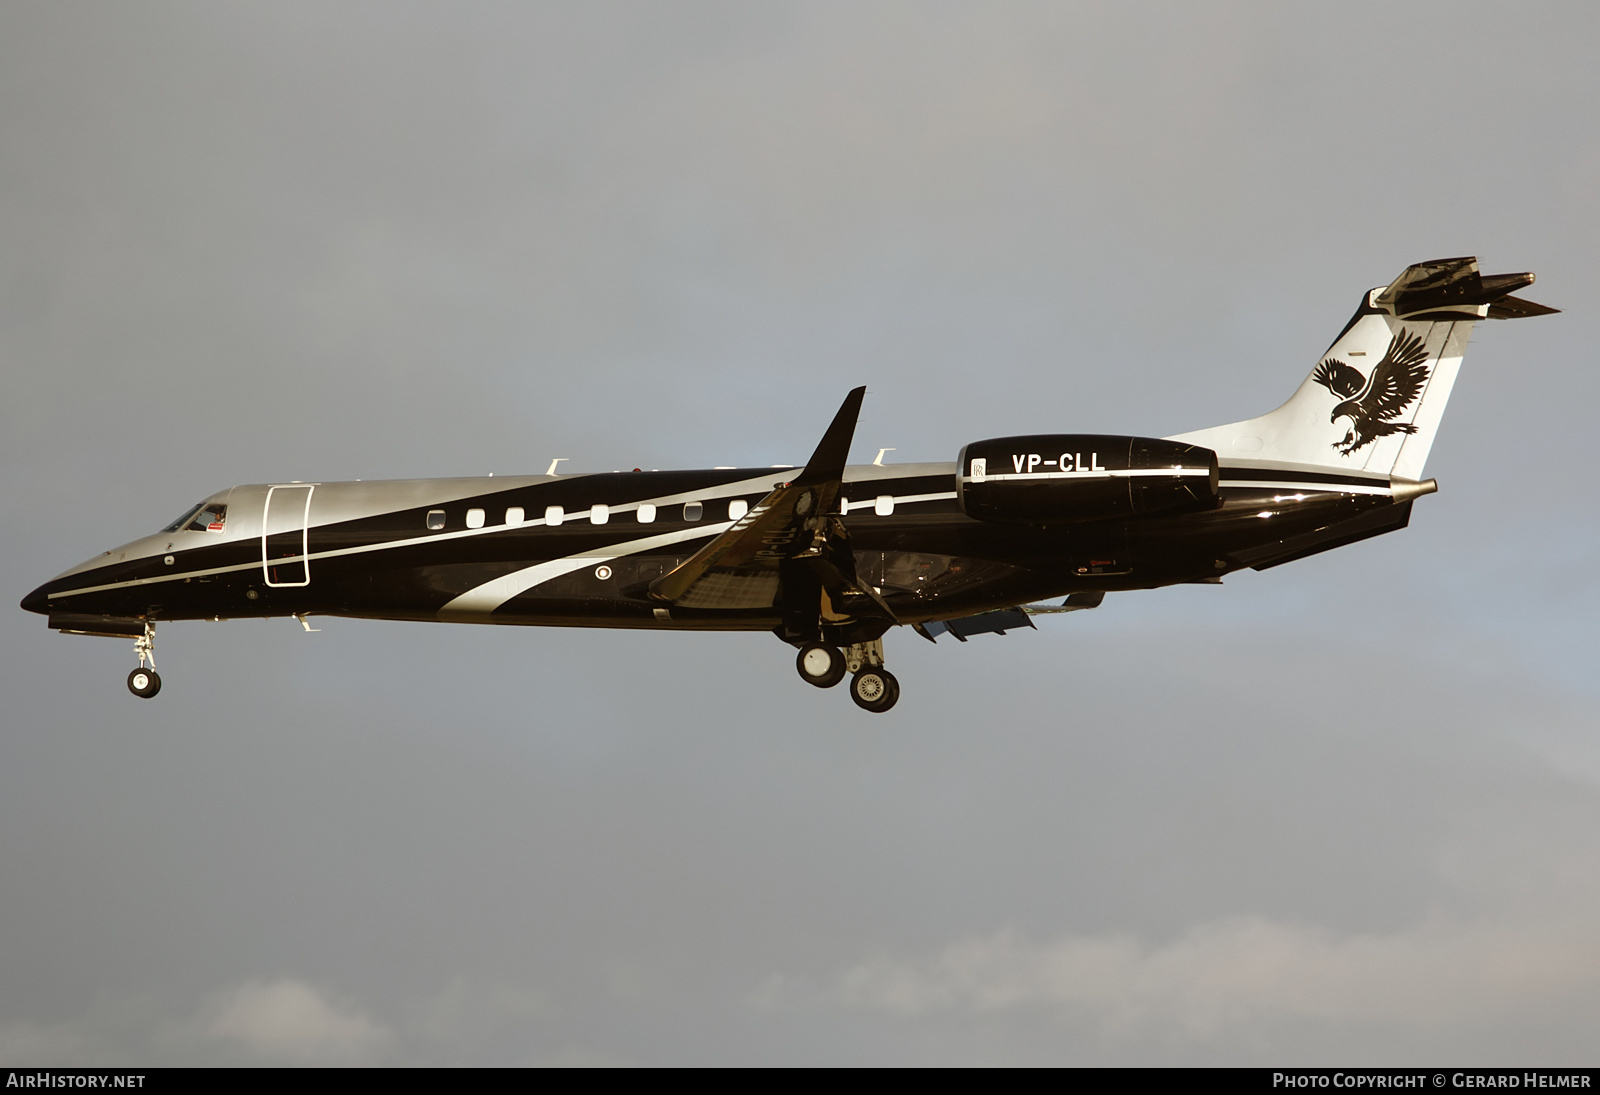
<point x="1048" y="479"/>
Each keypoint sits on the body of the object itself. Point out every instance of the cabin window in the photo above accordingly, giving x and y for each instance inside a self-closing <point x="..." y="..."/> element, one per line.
<point x="475" y="517"/>
<point x="514" y="515"/>
<point x="737" y="509"/>
<point x="647" y="513"/>
<point x="436" y="519"/>
<point x="884" y="506"/>
<point x="692" y="511"/>
<point x="599" y="514"/>
<point x="553" y="515"/>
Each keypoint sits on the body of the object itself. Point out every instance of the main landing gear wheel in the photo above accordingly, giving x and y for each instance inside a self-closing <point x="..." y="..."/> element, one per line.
<point x="874" y="689"/>
<point x="144" y="683"/>
<point x="820" y="664"/>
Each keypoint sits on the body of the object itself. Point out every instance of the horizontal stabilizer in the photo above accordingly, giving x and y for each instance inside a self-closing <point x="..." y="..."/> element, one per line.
<point x="1455" y="283"/>
<point x="1509" y="307"/>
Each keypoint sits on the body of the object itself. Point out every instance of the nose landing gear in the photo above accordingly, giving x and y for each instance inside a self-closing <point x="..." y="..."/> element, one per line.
<point x="873" y="688"/>
<point x="143" y="682"/>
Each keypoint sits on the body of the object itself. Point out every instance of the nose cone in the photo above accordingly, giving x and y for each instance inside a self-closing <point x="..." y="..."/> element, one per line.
<point x="35" y="602"/>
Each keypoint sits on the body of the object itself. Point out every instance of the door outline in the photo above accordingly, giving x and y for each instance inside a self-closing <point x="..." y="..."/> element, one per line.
<point x="303" y="558"/>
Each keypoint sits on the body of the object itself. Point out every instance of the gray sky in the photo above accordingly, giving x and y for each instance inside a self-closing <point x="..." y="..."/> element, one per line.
<point x="1346" y="811"/>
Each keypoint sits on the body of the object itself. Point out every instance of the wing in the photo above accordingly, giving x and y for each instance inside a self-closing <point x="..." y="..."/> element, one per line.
<point x="743" y="568"/>
<point x="1338" y="378"/>
<point x="1396" y="380"/>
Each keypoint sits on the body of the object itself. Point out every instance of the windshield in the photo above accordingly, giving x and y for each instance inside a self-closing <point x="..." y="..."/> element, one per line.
<point x="206" y="517"/>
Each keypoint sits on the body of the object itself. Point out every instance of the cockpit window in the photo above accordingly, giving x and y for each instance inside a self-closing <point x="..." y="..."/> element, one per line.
<point x="210" y="519"/>
<point x="188" y="515"/>
<point x="206" y="517"/>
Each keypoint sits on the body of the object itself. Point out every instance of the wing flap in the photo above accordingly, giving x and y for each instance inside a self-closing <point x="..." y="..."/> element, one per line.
<point x="997" y="622"/>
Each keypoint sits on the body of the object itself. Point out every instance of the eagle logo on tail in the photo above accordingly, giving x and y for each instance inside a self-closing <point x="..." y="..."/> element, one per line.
<point x="1372" y="403"/>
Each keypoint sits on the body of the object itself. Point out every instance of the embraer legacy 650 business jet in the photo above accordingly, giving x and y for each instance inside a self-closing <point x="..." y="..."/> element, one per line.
<point x="831" y="556"/>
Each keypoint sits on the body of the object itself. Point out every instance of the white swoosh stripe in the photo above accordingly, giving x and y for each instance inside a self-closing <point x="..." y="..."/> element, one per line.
<point x="482" y="600"/>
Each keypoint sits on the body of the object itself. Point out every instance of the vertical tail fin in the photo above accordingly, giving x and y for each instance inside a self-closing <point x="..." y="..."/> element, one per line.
<point x="1373" y="403"/>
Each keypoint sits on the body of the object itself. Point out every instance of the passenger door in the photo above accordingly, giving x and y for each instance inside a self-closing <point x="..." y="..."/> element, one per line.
<point x="284" y="536"/>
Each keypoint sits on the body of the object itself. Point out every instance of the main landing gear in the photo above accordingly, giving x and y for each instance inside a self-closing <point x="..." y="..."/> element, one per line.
<point x="143" y="682"/>
<point x="873" y="688"/>
<point x="820" y="664"/>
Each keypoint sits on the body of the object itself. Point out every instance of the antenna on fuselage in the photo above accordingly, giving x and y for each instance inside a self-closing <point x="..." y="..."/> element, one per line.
<point x="878" y="463"/>
<point x="552" y="469"/>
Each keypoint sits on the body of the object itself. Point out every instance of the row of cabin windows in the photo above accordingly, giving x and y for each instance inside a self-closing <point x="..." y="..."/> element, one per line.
<point x="598" y="514"/>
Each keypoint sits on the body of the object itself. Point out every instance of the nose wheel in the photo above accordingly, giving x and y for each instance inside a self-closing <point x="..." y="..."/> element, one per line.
<point x="145" y="682"/>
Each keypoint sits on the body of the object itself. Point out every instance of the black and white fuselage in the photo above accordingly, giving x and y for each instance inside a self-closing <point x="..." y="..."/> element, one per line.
<point x="582" y="550"/>
<point x="830" y="556"/>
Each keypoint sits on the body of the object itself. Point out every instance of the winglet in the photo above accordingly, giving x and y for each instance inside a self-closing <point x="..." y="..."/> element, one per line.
<point x="796" y="523"/>
<point x="827" y="463"/>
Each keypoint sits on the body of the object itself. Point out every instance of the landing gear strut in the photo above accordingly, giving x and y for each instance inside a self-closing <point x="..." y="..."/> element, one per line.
<point x="872" y="687"/>
<point x="143" y="682"/>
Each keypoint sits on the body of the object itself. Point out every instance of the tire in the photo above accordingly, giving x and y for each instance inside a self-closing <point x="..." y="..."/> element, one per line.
<point x="874" y="690"/>
<point x="820" y="664"/>
<point x="144" y="683"/>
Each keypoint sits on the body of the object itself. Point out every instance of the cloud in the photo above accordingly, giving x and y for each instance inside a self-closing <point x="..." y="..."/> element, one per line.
<point x="289" y="1021"/>
<point x="292" y="1021"/>
<point x="1231" y="974"/>
<point x="26" y="1044"/>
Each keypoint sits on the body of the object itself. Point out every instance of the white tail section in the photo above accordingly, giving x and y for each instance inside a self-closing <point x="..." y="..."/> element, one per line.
<point x="1373" y="403"/>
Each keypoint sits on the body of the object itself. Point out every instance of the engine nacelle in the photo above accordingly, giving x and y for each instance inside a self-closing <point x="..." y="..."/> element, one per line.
<point x="1053" y="479"/>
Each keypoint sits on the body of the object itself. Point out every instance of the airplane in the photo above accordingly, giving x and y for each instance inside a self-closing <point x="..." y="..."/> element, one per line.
<point x="829" y="557"/>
